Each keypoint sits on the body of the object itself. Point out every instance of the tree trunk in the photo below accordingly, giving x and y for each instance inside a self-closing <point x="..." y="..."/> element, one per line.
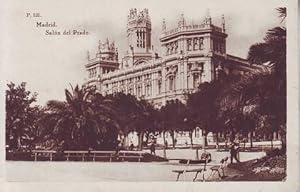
<point x="173" y="138"/>
<point x="140" y="141"/>
<point x="225" y="136"/>
<point x="251" y="139"/>
<point x="147" y="137"/>
<point x="164" y="138"/>
<point x="283" y="143"/>
<point x="203" y="142"/>
<point x="19" y="142"/>
<point x="191" y="137"/>
<point x="232" y="135"/>
<point x="165" y="146"/>
<point x="217" y="139"/>
<point x="271" y="143"/>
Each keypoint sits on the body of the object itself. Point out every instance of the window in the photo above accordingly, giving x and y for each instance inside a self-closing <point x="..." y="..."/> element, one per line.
<point x="196" y="80"/>
<point x="159" y="86"/>
<point x="195" y="45"/>
<point x="139" y="92"/>
<point x="130" y="90"/>
<point x="171" y="83"/>
<point x="189" y="44"/>
<point x="92" y="72"/>
<point x="148" y="89"/>
<point x="201" y="44"/>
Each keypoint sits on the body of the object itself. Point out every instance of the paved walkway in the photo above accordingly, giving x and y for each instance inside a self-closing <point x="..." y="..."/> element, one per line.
<point x="99" y="171"/>
<point x="115" y="171"/>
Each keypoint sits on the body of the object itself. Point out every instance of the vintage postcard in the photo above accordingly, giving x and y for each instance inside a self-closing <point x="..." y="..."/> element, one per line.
<point x="109" y="95"/>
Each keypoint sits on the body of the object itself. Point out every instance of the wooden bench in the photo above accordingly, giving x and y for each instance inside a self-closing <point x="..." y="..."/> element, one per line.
<point x="76" y="154"/>
<point x="43" y="153"/>
<point x="103" y="154"/>
<point x="128" y="155"/>
<point x="120" y="155"/>
<point x="219" y="168"/>
<point x="197" y="170"/>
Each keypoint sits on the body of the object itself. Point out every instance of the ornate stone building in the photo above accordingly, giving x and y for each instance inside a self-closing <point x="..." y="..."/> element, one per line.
<point x="192" y="54"/>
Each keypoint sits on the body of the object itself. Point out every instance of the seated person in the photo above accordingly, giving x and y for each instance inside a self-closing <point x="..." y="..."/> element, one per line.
<point x="206" y="156"/>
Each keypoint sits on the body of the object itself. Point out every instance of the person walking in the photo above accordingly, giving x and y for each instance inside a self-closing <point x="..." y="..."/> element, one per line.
<point x="131" y="147"/>
<point x="152" y="149"/>
<point x="234" y="152"/>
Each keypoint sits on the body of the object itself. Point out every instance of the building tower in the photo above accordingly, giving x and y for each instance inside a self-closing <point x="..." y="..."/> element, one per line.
<point x="193" y="53"/>
<point x="105" y="61"/>
<point x="138" y="38"/>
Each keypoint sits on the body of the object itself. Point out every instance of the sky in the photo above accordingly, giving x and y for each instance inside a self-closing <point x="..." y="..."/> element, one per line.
<point x="50" y="63"/>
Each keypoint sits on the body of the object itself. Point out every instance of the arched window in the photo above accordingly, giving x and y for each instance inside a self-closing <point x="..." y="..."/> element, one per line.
<point x="171" y="83"/>
<point x="189" y="44"/>
<point x="196" y="80"/>
<point x="201" y="44"/>
<point x="148" y="89"/>
<point x="159" y="86"/>
<point x="195" y="45"/>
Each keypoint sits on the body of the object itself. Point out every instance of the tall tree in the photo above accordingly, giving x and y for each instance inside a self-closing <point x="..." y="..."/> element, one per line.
<point x="21" y="116"/>
<point x="172" y="116"/>
<point x="84" y="120"/>
<point x="135" y="116"/>
<point x="262" y="91"/>
<point x="202" y="107"/>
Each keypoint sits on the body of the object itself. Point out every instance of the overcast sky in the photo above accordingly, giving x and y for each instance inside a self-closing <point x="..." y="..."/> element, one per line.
<point x="49" y="63"/>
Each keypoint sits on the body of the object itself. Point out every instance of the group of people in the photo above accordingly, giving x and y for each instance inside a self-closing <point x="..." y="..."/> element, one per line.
<point x="234" y="150"/>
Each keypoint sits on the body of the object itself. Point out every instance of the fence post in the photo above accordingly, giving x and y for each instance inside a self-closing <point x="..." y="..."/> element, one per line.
<point x="197" y="154"/>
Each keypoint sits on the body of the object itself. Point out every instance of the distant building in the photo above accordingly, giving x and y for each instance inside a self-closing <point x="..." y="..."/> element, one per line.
<point x="192" y="54"/>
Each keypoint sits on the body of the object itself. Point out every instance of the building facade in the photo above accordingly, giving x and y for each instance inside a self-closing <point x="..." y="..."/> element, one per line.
<point x="192" y="54"/>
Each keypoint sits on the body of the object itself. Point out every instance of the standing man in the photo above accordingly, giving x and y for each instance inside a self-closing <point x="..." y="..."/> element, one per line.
<point x="152" y="149"/>
<point x="233" y="152"/>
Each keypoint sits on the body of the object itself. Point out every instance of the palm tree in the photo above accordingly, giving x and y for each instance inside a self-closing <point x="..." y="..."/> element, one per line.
<point x="263" y="91"/>
<point x="81" y="120"/>
<point x="272" y="50"/>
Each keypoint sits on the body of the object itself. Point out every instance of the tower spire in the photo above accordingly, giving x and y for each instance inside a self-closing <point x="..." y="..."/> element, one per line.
<point x="208" y="17"/>
<point x="223" y="22"/>
<point x="181" y="22"/>
<point x="164" y="26"/>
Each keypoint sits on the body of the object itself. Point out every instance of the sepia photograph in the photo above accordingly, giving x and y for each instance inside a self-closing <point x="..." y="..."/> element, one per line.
<point x="184" y="92"/>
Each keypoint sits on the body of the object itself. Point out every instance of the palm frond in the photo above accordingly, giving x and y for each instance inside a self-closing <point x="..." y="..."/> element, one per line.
<point x="282" y="13"/>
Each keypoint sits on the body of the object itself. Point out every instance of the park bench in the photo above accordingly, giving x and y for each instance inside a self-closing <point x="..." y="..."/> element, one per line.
<point x="131" y="155"/>
<point x="197" y="170"/>
<point x="120" y="155"/>
<point x="43" y="153"/>
<point x="75" y="155"/>
<point x="205" y="158"/>
<point x="219" y="168"/>
<point x="103" y="155"/>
